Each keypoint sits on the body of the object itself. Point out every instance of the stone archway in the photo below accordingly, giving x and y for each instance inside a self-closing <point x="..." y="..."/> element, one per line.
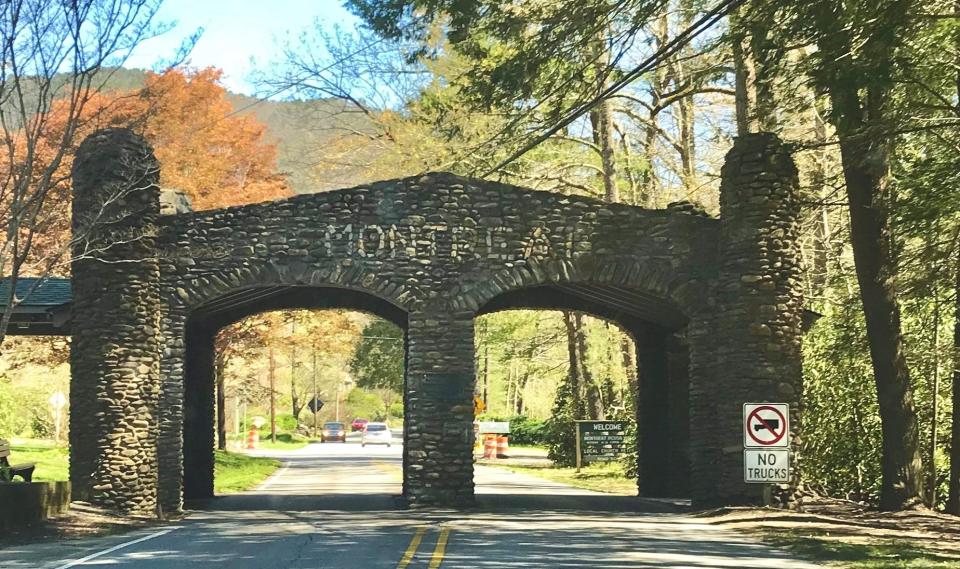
<point x="196" y="411"/>
<point x="439" y="249"/>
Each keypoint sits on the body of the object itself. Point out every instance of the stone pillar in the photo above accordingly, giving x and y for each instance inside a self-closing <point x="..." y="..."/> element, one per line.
<point x="662" y="413"/>
<point x="115" y="319"/>
<point x="170" y="438"/>
<point x="756" y="329"/>
<point x="199" y="412"/>
<point x="653" y="412"/>
<point x="438" y="440"/>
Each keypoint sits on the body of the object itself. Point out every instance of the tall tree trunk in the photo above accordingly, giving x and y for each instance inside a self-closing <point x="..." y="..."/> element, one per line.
<point x="272" y="373"/>
<point x="745" y="76"/>
<point x="590" y="387"/>
<point x="649" y="183"/>
<point x="753" y="68"/>
<point x="859" y="102"/>
<point x="935" y="403"/>
<point x="953" y="485"/>
<point x="876" y="272"/>
<point x="219" y="367"/>
<point x="687" y="111"/>
<point x="573" y="370"/>
<point x="295" y="406"/>
<point x="822" y="232"/>
<point x="605" y="124"/>
<point x="521" y="386"/>
<point x="628" y="353"/>
<point x="601" y="119"/>
<point x="486" y="374"/>
<point x="953" y="497"/>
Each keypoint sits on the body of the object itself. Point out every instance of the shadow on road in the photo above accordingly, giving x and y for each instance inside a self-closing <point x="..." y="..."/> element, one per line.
<point x="485" y="503"/>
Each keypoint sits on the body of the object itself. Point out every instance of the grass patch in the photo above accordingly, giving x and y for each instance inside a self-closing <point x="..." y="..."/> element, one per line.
<point x="542" y="449"/>
<point x="285" y="441"/>
<point x="235" y="472"/>
<point x="608" y="478"/>
<point x="53" y="462"/>
<point x="877" y="554"/>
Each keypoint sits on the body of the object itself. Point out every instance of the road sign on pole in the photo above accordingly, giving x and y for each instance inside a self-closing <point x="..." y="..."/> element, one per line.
<point x="766" y="444"/>
<point x="766" y="425"/>
<point x="600" y="441"/>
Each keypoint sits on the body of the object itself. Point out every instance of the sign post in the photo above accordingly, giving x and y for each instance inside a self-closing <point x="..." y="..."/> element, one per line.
<point x="600" y="441"/>
<point x="766" y="443"/>
<point x="579" y="454"/>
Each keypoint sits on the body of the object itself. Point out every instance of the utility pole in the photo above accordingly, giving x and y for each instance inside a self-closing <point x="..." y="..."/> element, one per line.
<point x="339" y="383"/>
<point x="316" y="411"/>
<point x="294" y="399"/>
<point x="271" y="372"/>
<point x="486" y="371"/>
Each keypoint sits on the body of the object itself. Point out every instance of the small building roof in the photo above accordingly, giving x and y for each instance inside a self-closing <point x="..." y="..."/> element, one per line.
<point x="42" y="307"/>
<point x="37" y="292"/>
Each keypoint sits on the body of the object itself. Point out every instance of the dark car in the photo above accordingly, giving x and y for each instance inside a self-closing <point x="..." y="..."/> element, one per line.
<point x="358" y="425"/>
<point x="333" y="432"/>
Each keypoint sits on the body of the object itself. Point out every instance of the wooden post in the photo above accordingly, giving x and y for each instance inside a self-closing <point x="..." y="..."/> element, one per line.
<point x="576" y="426"/>
<point x="316" y="412"/>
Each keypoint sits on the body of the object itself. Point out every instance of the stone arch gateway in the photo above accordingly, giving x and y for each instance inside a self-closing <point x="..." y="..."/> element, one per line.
<point x="720" y="296"/>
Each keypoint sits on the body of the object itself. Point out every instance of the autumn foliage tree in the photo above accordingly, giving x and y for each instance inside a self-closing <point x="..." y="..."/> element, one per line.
<point x="206" y="149"/>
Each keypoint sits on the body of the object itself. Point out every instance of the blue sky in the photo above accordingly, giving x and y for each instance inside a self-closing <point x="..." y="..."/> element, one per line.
<point x="237" y="35"/>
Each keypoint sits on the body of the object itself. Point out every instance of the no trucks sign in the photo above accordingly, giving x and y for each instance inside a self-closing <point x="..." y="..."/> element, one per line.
<point x="766" y="425"/>
<point x="766" y="442"/>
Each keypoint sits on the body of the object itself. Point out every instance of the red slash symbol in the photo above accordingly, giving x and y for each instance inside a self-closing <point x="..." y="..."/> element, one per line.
<point x="777" y="427"/>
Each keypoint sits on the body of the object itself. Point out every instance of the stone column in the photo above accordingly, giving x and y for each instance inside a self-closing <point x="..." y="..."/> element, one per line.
<point x="756" y="329"/>
<point x="199" y="412"/>
<point x="115" y="319"/>
<point x="171" y="416"/>
<point x="438" y="441"/>
<point x="662" y="413"/>
<point x="653" y="412"/>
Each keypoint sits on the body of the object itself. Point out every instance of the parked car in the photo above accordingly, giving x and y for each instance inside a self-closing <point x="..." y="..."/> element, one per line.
<point x="358" y="425"/>
<point x="333" y="432"/>
<point x="376" y="434"/>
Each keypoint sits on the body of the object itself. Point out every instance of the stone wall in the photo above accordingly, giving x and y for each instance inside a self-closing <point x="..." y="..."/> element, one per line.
<point x="430" y="253"/>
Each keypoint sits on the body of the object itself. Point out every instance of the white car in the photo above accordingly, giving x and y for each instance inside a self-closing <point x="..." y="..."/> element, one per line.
<point x="376" y="434"/>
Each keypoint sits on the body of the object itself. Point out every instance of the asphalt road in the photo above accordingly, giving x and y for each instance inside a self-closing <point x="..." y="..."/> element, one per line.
<point x="335" y="505"/>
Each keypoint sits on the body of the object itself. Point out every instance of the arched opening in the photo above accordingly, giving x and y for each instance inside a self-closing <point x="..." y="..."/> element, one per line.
<point x="200" y="432"/>
<point x="643" y="340"/>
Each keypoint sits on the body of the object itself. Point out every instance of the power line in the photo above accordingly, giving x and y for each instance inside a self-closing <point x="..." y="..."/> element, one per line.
<point x="703" y="24"/>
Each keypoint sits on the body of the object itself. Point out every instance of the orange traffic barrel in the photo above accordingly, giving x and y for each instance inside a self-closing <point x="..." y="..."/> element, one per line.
<point x="252" y="439"/>
<point x="490" y="446"/>
<point x="503" y="443"/>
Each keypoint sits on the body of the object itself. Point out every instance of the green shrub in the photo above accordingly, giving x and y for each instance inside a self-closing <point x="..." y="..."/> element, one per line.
<point x="286" y="422"/>
<point x="527" y="431"/>
<point x="24" y="412"/>
<point x="290" y="438"/>
<point x="396" y="410"/>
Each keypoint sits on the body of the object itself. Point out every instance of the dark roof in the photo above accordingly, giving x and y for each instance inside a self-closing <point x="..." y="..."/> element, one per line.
<point x="50" y="291"/>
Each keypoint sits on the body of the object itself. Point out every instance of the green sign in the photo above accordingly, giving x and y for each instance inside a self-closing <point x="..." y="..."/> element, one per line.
<point x="600" y="441"/>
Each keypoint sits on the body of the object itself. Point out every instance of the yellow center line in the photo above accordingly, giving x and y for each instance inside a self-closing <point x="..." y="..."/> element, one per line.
<point x="412" y="550"/>
<point x="438" y="553"/>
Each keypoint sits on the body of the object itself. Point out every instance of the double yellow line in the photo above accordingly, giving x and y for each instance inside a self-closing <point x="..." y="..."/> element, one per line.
<point x="438" y="552"/>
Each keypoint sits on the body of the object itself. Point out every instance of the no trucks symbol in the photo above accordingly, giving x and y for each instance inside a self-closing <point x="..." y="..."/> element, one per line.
<point x="766" y="425"/>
